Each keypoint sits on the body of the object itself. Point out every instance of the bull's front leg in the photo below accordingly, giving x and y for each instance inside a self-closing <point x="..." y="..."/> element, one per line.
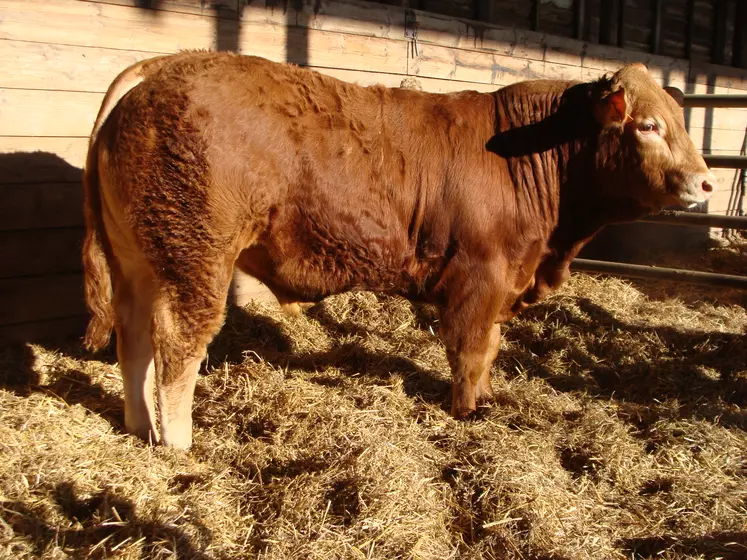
<point x="472" y="338"/>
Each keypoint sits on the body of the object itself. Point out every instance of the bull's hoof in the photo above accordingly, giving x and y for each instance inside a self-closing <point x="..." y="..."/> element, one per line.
<point x="462" y="400"/>
<point x="177" y="435"/>
<point x="462" y="413"/>
<point x="484" y="397"/>
<point x="296" y="309"/>
<point x="177" y="442"/>
<point x="291" y="309"/>
<point x="144" y="431"/>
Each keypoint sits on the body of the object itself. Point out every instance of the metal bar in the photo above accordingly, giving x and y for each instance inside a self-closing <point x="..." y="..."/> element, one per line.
<point x="656" y="36"/>
<point x="660" y="273"/>
<point x="728" y="162"/>
<point x="715" y="100"/>
<point x="579" y="19"/>
<point x="675" y="218"/>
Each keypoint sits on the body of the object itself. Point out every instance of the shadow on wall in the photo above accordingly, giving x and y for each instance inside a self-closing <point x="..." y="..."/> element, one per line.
<point x="228" y="24"/>
<point x="41" y="233"/>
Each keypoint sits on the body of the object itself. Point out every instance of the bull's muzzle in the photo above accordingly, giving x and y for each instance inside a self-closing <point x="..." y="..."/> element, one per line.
<point x="698" y="189"/>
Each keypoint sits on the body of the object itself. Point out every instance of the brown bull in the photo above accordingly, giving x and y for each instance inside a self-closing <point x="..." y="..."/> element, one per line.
<point x="476" y="202"/>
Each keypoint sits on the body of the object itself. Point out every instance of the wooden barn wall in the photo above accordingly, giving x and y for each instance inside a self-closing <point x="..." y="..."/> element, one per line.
<point x="57" y="58"/>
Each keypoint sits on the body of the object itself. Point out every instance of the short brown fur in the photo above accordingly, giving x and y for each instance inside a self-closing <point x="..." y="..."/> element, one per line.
<point x="474" y="202"/>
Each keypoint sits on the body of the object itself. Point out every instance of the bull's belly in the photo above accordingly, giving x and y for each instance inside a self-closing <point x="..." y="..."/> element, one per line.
<point x="308" y="276"/>
<point x="318" y="246"/>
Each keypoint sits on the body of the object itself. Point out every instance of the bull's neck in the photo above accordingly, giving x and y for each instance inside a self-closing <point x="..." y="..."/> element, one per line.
<point x="546" y="132"/>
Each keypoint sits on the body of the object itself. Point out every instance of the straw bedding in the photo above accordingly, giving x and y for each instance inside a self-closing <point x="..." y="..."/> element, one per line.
<point x="618" y="431"/>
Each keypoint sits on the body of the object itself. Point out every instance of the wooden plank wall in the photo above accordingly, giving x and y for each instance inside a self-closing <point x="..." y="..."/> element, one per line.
<point x="57" y="58"/>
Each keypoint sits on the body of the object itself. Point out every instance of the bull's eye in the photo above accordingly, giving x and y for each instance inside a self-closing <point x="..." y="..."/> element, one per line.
<point x="648" y="127"/>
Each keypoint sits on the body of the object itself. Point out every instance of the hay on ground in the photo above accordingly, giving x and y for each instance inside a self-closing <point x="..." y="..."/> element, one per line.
<point x="618" y="431"/>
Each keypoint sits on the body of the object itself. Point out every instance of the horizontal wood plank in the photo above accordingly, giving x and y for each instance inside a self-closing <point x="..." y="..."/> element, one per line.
<point x="40" y="251"/>
<point x="92" y="24"/>
<point x="433" y="85"/>
<point x="48" y="66"/>
<point x="37" y="298"/>
<point x="48" y="113"/>
<point x="445" y="63"/>
<point x="219" y="8"/>
<point x="323" y="49"/>
<point x="67" y="68"/>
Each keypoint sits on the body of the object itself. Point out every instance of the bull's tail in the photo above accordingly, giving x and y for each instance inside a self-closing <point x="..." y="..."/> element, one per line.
<point x="98" y="283"/>
<point x="97" y="273"/>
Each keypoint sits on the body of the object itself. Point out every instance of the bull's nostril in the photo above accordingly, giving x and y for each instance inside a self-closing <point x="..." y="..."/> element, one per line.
<point x="707" y="187"/>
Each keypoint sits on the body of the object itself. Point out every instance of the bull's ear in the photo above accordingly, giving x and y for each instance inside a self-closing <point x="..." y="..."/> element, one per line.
<point x="612" y="109"/>
<point x="676" y="94"/>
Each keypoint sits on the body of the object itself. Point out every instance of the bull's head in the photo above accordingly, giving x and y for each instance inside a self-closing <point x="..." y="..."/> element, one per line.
<point x="644" y="152"/>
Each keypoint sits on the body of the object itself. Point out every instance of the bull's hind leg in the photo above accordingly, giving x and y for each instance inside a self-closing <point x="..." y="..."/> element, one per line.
<point x="185" y="321"/>
<point x="133" y="305"/>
